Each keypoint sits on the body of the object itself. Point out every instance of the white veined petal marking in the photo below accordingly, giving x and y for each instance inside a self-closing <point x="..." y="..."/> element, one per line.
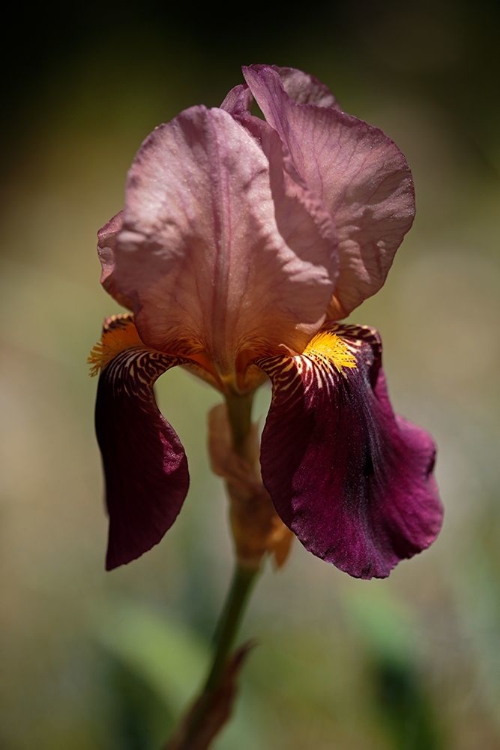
<point x="330" y="355"/>
<point x="125" y="362"/>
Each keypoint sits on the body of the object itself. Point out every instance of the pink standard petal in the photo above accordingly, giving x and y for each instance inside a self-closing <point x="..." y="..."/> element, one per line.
<point x="302" y="87"/>
<point x="201" y="252"/>
<point x="301" y="217"/>
<point x="144" y="462"/>
<point x="358" y="172"/>
<point x="352" y="479"/>
<point x="238" y="101"/>
<point x="106" y="247"/>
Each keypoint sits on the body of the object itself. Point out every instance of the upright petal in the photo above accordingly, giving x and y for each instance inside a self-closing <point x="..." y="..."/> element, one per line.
<point x="238" y="101"/>
<point x="106" y="247"/>
<point x="301" y="217"/>
<point x="144" y="462"/>
<point x="349" y="477"/>
<point x="302" y="87"/>
<point x="201" y="254"/>
<point x="359" y="173"/>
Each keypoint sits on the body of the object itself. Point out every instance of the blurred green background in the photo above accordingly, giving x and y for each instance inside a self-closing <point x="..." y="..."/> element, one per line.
<point x="108" y="661"/>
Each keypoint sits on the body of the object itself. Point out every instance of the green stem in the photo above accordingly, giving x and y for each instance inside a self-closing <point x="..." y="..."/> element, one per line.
<point x="230" y="620"/>
<point x="239" y="411"/>
<point x="225" y="636"/>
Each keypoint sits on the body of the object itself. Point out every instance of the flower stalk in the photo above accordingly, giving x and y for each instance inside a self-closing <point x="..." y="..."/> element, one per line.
<point x="213" y="706"/>
<point x="227" y="629"/>
<point x="239" y="412"/>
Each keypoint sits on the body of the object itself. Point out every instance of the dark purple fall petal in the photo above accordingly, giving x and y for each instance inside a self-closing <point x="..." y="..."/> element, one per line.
<point x="360" y="175"/>
<point x="144" y="462"/>
<point x="351" y="479"/>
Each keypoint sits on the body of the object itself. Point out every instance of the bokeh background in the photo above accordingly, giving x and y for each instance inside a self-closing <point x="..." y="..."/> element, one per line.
<point x="108" y="661"/>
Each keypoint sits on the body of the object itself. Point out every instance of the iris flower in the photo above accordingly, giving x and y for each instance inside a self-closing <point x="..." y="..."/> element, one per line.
<point x="242" y="244"/>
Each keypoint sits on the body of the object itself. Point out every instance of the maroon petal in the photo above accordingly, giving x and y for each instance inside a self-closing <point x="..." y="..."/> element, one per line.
<point x="144" y="462"/>
<point x="351" y="479"/>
